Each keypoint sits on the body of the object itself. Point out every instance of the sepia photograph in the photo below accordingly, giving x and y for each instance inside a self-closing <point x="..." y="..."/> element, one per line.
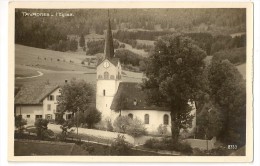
<point x="139" y="82"/>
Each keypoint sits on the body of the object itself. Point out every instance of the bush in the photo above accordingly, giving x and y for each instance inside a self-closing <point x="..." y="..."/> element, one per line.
<point x="87" y="147"/>
<point x="59" y="119"/>
<point x="20" y="123"/>
<point x="42" y="130"/>
<point x="168" y="144"/>
<point x="220" y="151"/>
<point x="235" y="55"/>
<point x="162" y="129"/>
<point x="109" y="126"/>
<point x="121" y="123"/>
<point x="65" y="130"/>
<point x="136" y="128"/>
<point x="120" y="147"/>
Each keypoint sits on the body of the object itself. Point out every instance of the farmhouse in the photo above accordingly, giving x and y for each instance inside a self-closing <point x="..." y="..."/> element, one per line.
<point x="38" y="101"/>
<point x="112" y="93"/>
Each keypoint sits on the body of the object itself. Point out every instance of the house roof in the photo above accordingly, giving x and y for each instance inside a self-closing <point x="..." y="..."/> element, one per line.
<point x="34" y="93"/>
<point x="133" y="92"/>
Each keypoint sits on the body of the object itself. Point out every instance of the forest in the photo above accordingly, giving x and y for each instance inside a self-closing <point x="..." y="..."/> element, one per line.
<point x="209" y="28"/>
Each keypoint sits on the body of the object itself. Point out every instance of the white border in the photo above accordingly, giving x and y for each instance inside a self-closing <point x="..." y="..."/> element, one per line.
<point x="3" y="84"/>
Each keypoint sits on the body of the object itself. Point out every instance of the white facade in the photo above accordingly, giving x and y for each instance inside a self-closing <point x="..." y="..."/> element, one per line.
<point x="46" y="110"/>
<point x="156" y="118"/>
<point x="29" y="112"/>
<point x="50" y="104"/>
<point x="108" y="79"/>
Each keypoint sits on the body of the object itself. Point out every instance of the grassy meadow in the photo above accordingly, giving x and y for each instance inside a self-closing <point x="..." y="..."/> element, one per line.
<point x="29" y="60"/>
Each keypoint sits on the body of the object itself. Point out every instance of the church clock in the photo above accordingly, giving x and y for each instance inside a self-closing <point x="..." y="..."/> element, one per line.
<point x="106" y="64"/>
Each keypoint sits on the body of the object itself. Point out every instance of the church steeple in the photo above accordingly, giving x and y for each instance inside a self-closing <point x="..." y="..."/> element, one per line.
<point x="109" y="47"/>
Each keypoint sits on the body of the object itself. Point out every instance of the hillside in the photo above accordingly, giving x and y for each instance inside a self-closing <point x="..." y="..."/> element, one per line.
<point x="53" y="71"/>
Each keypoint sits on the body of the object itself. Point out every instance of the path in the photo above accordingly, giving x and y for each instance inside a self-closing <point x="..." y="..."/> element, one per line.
<point x="103" y="134"/>
<point x="39" y="75"/>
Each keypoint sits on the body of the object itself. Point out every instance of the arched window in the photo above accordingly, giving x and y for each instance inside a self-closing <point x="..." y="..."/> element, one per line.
<point x="146" y="119"/>
<point x="112" y="77"/>
<point x="166" y="119"/>
<point x="106" y="75"/>
<point x="130" y="116"/>
<point x="99" y="76"/>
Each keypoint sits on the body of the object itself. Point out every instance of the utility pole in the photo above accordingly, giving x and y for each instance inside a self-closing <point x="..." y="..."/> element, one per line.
<point x="78" y="122"/>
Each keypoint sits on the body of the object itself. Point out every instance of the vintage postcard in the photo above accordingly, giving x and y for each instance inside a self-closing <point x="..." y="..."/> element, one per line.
<point x="130" y="82"/>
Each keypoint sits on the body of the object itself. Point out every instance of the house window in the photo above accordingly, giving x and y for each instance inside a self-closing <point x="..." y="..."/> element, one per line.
<point x="38" y="117"/>
<point x="68" y="116"/>
<point x="51" y="98"/>
<point x="130" y="116"/>
<point x="104" y="92"/>
<point x="146" y="119"/>
<point x="48" y="116"/>
<point x="48" y="107"/>
<point x="99" y="76"/>
<point x="27" y="116"/>
<point x="106" y="75"/>
<point x="112" y="77"/>
<point x="166" y="119"/>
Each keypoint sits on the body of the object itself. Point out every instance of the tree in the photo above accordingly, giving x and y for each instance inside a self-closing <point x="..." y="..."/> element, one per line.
<point x="228" y="90"/>
<point x="174" y="74"/>
<point x="121" y="103"/>
<point x="73" y="45"/>
<point x="209" y="121"/>
<point x="92" y="116"/>
<point x="76" y="96"/>
<point x="79" y="97"/>
<point x="82" y="41"/>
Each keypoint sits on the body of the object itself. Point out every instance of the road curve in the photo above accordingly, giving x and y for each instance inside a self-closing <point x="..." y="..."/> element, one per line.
<point x="39" y="75"/>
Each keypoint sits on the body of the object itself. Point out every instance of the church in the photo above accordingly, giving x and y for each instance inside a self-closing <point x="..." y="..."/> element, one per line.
<point x="110" y="87"/>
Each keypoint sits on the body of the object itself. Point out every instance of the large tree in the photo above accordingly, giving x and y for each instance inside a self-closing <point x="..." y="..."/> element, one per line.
<point x="76" y="96"/>
<point x="228" y="90"/>
<point x="174" y="74"/>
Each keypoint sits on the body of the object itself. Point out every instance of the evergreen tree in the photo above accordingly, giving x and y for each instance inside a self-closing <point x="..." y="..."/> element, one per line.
<point x="82" y="41"/>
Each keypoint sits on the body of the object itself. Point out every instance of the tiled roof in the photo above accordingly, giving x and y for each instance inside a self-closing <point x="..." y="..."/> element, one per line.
<point x="133" y="92"/>
<point x="34" y="93"/>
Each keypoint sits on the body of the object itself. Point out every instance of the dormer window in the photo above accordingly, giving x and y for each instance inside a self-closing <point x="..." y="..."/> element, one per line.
<point x="112" y="77"/>
<point x="99" y="76"/>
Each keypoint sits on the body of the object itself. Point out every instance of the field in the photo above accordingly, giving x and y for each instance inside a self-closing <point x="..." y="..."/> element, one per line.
<point x="29" y="61"/>
<point x="146" y="42"/>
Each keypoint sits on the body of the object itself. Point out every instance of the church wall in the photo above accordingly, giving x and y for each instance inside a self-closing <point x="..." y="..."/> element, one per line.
<point x="155" y="118"/>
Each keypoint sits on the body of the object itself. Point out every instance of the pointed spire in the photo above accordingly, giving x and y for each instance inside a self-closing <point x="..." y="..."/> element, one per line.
<point x="109" y="47"/>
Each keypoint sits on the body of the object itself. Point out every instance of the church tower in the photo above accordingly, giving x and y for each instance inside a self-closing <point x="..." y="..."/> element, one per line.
<point x="108" y="76"/>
